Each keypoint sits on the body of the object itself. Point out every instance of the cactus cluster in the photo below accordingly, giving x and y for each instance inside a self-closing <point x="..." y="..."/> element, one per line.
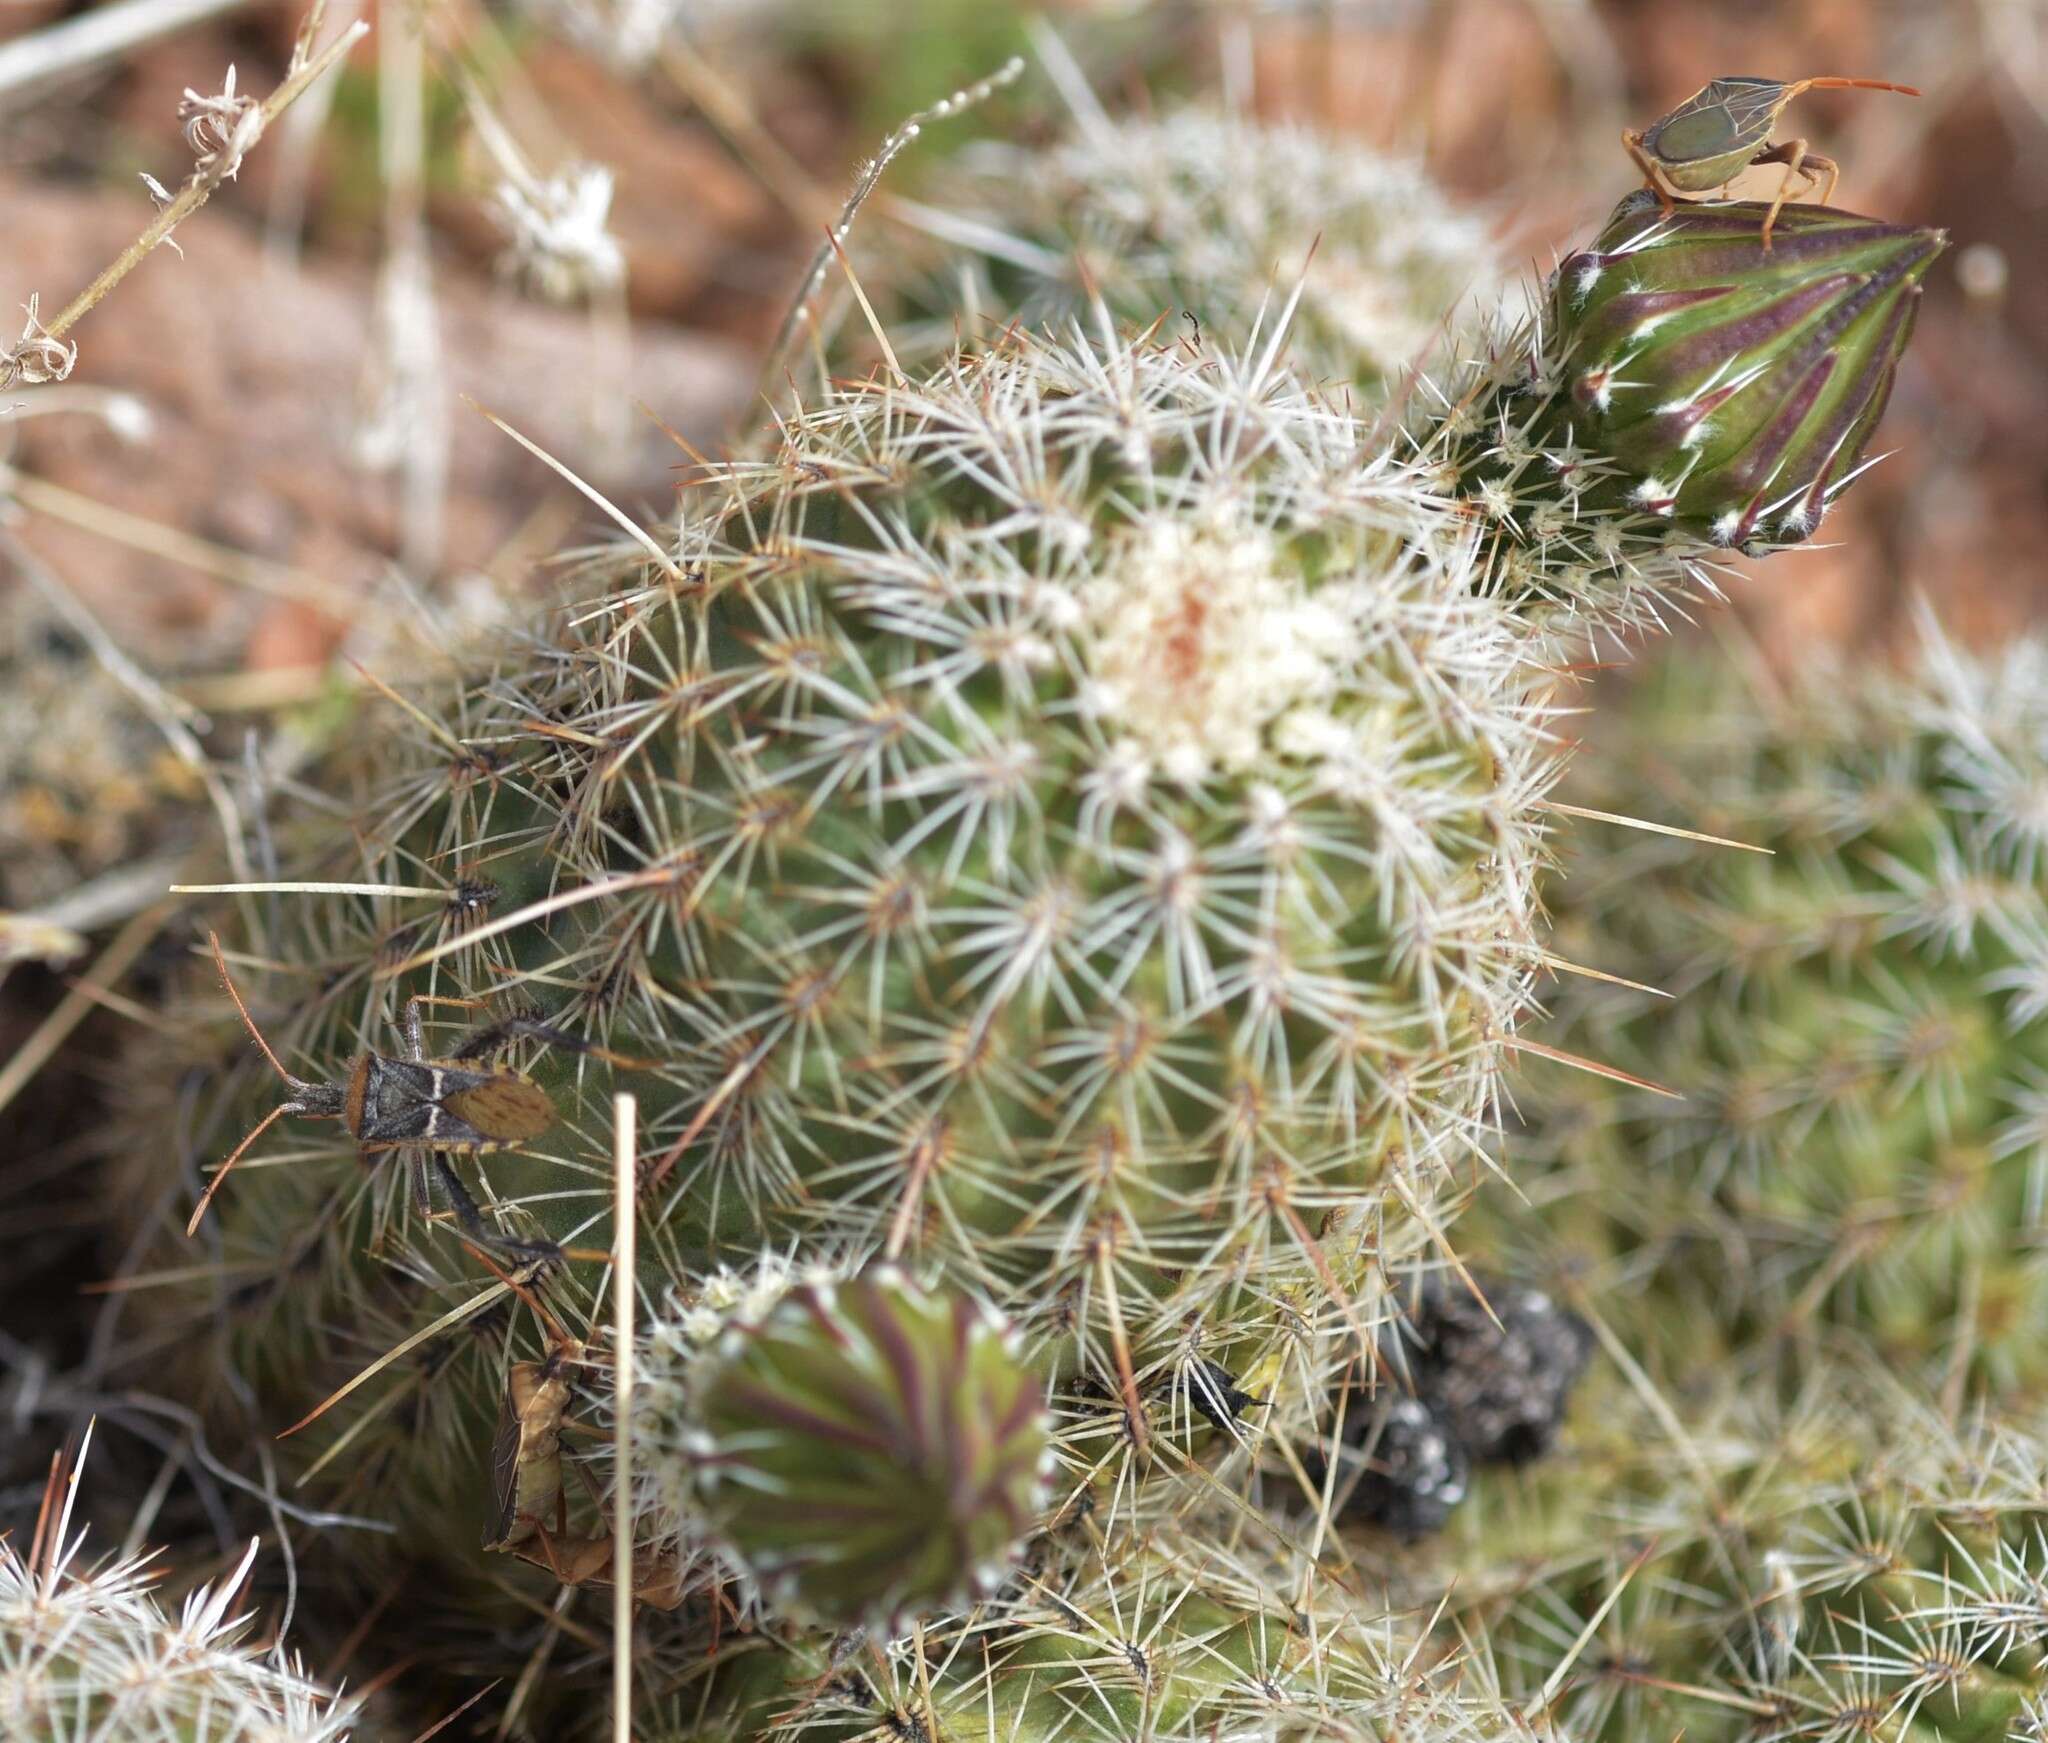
<point x="1727" y="1564"/>
<point x="1052" y="843"/>
<point x="1806" y="1498"/>
<point x="1209" y="213"/>
<point x="89" y="1655"/>
<point x="1855" y="1016"/>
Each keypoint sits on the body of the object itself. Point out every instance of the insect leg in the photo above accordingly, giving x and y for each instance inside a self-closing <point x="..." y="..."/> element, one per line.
<point x="495" y="1036"/>
<point x="422" y="1191"/>
<point x="1792" y="154"/>
<point x="1651" y="179"/>
<point x="472" y="1220"/>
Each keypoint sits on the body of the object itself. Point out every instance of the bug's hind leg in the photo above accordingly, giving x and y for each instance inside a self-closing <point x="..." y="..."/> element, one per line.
<point x="1808" y="166"/>
<point x="530" y="1026"/>
<point x="1631" y="142"/>
<point x="545" y="1253"/>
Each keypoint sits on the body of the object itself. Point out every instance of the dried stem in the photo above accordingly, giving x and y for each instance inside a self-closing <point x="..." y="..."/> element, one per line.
<point x="98" y="35"/>
<point x="199" y="188"/>
<point x="625" y="1116"/>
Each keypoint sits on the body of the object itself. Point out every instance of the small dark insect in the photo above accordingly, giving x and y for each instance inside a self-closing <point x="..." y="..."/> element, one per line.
<point x="427" y="1106"/>
<point x="1212" y="1391"/>
<point x="1694" y="152"/>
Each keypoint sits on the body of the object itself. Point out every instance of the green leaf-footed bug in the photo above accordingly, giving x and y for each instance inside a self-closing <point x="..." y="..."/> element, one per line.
<point x="1694" y="152"/>
<point x="426" y="1106"/>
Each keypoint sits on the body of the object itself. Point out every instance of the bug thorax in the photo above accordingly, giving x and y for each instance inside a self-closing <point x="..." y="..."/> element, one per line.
<point x="356" y="1093"/>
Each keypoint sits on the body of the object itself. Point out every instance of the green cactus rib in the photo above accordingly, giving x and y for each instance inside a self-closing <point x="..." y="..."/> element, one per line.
<point x="871" y="1449"/>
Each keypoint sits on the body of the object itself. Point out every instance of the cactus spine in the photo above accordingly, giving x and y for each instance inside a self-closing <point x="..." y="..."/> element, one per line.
<point x="88" y="1655"/>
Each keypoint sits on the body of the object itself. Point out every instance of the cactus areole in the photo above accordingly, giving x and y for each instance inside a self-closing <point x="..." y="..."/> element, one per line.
<point x="1736" y="386"/>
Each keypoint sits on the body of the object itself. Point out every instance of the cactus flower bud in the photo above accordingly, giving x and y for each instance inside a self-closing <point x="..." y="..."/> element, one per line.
<point x="1733" y="389"/>
<point x="874" y="1449"/>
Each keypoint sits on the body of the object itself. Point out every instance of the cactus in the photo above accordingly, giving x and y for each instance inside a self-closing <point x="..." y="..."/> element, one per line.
<point x="1210" y="213"/>
<point x="869" y="1450"/>
<point x="1064" y="823"/>
<point x="1163" y="1016"/>
<point x="1856" y="1022"/>
<point x="87" y="1653"/>
<point x="1723" y="1565"/>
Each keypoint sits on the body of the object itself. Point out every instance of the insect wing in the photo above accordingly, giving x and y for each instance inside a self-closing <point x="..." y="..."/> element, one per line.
<point x="502" y="1107"/>
<point x="526" y="1456"/>
<point x="1727" y="116"/>
<point x="505" y="1471"/>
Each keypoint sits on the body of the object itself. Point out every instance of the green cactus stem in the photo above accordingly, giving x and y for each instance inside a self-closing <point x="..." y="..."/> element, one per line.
<point x="1684" y="393"/>
<point x="1856" y="1021"/>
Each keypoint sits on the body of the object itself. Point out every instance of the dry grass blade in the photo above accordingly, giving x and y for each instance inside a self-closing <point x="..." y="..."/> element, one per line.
<point x="624" y="1282"/>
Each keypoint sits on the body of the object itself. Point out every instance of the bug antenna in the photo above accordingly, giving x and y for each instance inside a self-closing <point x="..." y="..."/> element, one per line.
<point x="1854" y="85"/>
<point x="212" y="1186"/>
<point x="221" y="962"/>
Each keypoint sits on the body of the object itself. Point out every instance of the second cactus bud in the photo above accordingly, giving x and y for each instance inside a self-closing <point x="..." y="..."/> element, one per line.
<point x="876" y="1449"/>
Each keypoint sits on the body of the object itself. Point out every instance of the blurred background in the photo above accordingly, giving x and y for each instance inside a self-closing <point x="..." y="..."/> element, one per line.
<point x="274" y="445"/>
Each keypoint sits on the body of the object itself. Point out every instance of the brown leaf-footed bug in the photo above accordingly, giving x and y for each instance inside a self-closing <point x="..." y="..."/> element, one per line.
<point x="426" y="1106"/>
<point x="530" y="1511"/>
<point x="1694" y="152"/>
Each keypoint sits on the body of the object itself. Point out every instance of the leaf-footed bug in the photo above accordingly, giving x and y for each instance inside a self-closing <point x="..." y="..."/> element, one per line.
<point x="529" y="1508"/>
<point x="426" y="1106"/>
<point x="1723" y="128"/>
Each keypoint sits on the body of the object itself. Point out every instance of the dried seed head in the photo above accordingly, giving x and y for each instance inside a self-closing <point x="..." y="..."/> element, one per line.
<point x="36" y="357"/>
<point x="220" y="130"/>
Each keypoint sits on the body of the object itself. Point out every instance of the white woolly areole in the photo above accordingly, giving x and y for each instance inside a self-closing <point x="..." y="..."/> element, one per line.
<point x="1208" y="651"/>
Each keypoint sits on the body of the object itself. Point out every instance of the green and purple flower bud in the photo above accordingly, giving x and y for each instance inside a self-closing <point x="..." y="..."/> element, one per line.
<point x="1732" y="390"/>
<point x="872" y="1450"/>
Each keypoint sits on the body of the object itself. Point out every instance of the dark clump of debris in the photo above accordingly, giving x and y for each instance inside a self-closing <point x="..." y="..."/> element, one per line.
<point x="1475" y="1374"/>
